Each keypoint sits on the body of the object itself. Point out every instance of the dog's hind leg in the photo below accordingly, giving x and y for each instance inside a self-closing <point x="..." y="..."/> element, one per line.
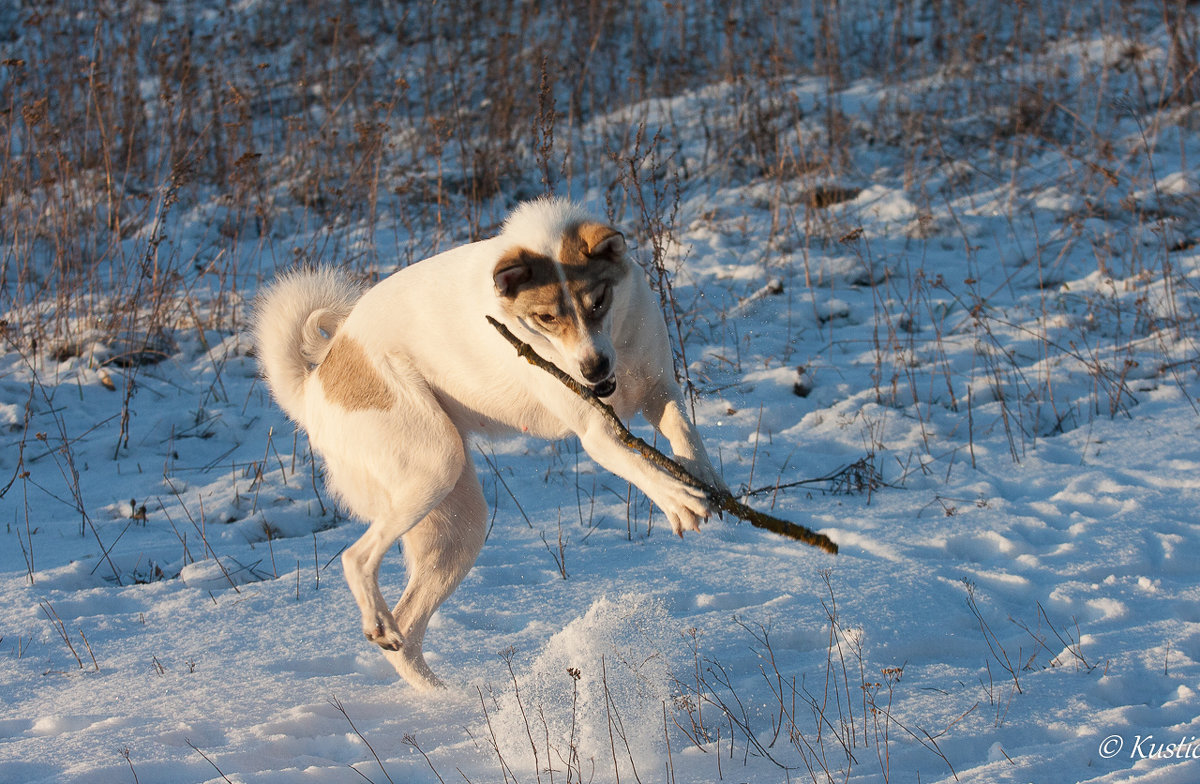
<point x="393" y="476"/>
<point x="360" y="563"/>
<point x="438" y="554"/>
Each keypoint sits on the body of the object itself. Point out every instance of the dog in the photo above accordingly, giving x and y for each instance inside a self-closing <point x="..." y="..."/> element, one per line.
<point x="391" y="383"/>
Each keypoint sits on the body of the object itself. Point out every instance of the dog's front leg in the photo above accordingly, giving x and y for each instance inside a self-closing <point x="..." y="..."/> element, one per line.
<point x="686" y="506"/>
<point x="664" y="409"/>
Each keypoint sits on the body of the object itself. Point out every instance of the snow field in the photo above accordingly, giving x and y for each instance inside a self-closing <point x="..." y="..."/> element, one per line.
<point x="948" y="321"/>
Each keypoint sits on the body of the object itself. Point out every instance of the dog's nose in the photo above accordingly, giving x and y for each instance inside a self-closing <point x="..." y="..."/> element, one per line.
<point x="596" y="368"/>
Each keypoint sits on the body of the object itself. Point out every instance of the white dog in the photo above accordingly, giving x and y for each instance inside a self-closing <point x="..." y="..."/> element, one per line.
<point x="389" y="384"/>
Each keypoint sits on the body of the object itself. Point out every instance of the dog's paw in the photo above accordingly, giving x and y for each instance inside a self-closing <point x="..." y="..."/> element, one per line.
<point x="684" y="522"/>
<point x="686" y="507"/>
<point x="385" y="634"/>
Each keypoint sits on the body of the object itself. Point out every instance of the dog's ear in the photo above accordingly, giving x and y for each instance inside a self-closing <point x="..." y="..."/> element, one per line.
<point x="510" y="273"/>
<point x="602" y="241"/>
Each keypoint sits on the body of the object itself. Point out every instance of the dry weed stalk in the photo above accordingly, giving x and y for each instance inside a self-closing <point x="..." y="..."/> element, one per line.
<point x="814" y="729"/>
<point x="337" y="704"/>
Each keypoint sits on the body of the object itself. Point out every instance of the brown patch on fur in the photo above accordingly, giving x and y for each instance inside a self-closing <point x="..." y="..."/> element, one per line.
<point x="349" y="378"/>
<point x="520" y="271"/>
<point x="592" y="254"/>
<point x="588" y="242"/>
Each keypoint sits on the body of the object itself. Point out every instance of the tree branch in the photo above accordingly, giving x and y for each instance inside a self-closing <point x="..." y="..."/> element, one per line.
<point x="721" y="499"/>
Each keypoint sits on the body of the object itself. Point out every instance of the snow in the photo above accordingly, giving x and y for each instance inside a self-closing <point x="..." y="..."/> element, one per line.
<point x="984" y="389"/>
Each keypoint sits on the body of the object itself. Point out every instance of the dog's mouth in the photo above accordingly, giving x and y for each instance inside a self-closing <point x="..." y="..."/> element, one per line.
<point x="606" y="387"/>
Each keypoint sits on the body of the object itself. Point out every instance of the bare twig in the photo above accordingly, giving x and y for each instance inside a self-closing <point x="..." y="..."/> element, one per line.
<point x="337" y="704"/>
<point x="61" y="628"/>
<point x="722" y="499"/>
<point x="859" y="476"/>
<point x="411" y="740"/>
<point x="125" y="754"/>
<point x="206" y="759"/>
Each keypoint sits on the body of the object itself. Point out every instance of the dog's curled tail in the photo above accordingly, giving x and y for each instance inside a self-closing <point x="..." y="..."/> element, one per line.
<point x="294" y="323"/>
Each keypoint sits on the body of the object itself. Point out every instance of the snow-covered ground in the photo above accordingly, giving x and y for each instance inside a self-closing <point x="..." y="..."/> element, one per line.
<point x="982" y="386"/>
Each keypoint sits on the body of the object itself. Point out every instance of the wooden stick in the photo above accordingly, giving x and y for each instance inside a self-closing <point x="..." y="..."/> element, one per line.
<point x="722" y="499"/>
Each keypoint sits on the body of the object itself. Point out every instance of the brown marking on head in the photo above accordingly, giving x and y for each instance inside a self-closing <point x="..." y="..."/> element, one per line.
<point x="587" y="242"/>
<point x="593" y="257"/>
<point x="349" y="378"/>
<point x="521" y="271"/>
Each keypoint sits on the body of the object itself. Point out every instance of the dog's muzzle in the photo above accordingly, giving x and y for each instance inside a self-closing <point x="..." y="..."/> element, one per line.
<point x="606" y="387"/>
<point x="597" y="370"/>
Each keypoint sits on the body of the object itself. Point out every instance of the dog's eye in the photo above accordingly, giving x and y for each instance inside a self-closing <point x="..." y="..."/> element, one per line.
<point x="546" y="318"/>
<point x="600" y="302"/>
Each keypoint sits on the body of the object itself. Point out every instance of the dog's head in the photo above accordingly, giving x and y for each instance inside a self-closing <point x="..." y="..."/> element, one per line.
<point x="561" y="287"/>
